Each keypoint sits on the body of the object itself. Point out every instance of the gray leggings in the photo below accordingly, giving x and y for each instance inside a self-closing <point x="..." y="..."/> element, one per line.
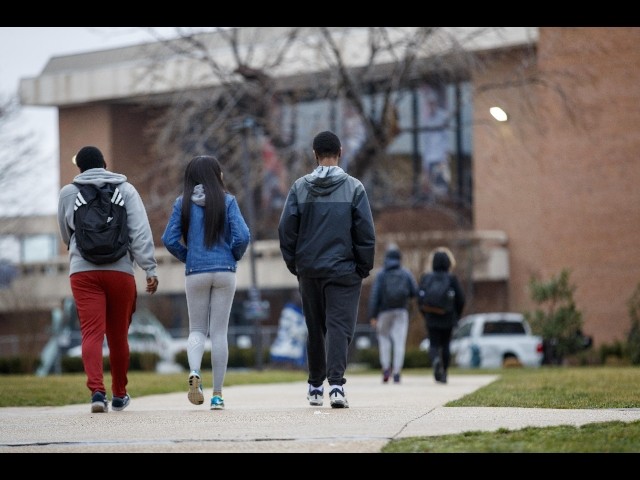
<point x="209" y="299"/>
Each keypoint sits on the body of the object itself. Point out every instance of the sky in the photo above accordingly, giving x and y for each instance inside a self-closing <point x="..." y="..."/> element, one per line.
<point x="24" y="52"/>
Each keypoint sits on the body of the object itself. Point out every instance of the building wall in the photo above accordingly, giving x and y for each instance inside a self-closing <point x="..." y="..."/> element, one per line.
<point x="119" y="132"/>
<point x="561" y="177"/>
<point x="80" y="126"/>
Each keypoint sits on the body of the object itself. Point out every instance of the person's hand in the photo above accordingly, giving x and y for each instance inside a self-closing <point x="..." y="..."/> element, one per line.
<point x="152" y="284"/>
<point x="373" y="322"/>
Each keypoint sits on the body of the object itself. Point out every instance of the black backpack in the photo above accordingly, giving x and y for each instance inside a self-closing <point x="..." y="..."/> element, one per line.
<point x="435" y="294"/>
<point x="100" y="216"/>
<point x="395" y="289"/>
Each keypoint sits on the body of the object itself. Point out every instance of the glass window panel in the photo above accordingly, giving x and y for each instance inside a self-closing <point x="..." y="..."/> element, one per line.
<point x="39" y="248"/>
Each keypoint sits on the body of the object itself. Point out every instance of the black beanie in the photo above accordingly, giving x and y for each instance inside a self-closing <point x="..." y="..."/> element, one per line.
<point x="89" y="157"/>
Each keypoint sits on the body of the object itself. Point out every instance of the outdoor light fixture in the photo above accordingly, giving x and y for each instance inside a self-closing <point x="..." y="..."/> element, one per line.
<point x="499" y="114"/>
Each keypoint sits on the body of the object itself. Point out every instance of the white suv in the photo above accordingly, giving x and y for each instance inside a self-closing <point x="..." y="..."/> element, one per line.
<point x="494" y="340"/>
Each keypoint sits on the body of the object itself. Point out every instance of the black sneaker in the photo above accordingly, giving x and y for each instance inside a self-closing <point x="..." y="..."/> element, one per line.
<point x="120" y="403"/>
<point x="99" y="403"/>
<point x="438" y="370"/>
<point x="385" y="375"/>
<point x="396" y="378"/>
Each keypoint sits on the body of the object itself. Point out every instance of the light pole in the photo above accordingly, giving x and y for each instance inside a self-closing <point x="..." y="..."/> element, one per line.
<point x="254" y="308"/>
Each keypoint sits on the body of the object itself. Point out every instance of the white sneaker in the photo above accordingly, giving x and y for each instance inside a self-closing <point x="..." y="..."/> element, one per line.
<point x="315" y="396"/>
<point x="195" y="394"/>
<point x="337" y="397"/>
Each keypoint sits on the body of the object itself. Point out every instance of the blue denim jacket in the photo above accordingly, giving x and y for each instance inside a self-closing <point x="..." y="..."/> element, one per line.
<point x="223" y="257"/>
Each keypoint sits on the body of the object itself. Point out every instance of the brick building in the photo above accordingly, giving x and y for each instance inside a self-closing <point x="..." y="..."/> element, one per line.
<point x="557" y="184"/>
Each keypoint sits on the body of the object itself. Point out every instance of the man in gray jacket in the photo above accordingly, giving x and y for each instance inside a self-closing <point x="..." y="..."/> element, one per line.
<point x="327" y="239"/>
<point x="105" y="294"/>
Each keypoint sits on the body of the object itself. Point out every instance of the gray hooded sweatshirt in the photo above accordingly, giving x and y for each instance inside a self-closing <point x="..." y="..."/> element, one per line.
<point x="142" y="248"/>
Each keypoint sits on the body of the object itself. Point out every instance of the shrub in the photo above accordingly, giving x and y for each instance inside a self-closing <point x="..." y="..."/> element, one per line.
<point x="612" y="353"/>
<point x="558" y="321"/>
<point x="416" y="358"/>
<point x="72" y="365"/>
<point x="138" y="361"/>
<point x="12" y="365"/>
<point x="143" y="361"/>
<point x="238" y="358"/>
<point x="365" y="356"/>
<point x="413" y="358"/>
<point x="633" y="338"/>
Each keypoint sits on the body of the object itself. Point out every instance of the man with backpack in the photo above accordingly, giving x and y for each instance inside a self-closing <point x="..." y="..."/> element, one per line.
<point x="102" y="278"/>
<point x="392" y="289"/>
<point x="441" y="301"/>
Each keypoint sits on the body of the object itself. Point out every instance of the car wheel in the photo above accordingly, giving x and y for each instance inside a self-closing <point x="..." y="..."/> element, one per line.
<point x="511" y="362"/>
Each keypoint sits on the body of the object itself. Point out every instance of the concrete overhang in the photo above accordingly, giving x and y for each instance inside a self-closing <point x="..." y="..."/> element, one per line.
<point x="142" y="72"/>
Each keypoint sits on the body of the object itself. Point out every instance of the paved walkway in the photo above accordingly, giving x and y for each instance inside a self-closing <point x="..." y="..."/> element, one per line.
<point x="277" y="418"/>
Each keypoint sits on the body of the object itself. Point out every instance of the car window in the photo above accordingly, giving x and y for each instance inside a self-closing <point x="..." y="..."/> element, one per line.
<point x="502" y="327"/>
<point x="142" y="337"/>
<point x="462" y="331"/>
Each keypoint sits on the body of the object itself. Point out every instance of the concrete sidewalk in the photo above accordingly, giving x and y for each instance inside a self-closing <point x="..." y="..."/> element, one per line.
<point x="277" y="418"/>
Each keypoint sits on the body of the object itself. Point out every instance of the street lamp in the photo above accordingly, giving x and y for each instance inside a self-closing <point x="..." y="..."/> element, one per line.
<point x="499" y="114"/>
<point x="255" y="309"/>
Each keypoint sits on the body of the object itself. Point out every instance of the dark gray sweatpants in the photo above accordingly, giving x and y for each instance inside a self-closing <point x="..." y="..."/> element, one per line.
<point x="330" y="307"/>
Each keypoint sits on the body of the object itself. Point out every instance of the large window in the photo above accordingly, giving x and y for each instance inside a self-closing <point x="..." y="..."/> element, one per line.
<point x="429" y="160"/>
<point x="28" y="248"/>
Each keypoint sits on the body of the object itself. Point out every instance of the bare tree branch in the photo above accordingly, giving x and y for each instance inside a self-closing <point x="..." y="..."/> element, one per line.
<point x="19" y="160"/>
<point x="265" y="73"/>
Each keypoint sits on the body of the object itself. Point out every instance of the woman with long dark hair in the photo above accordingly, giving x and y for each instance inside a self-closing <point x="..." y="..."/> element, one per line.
<point x="207" y="232"/>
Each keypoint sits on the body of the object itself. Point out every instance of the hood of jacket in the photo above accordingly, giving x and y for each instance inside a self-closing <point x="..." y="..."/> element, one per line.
<point x="325" y="180"/>
<point x="99" y="176"/>
<point x="392" y="259"/>
<point x="197" y="196"/>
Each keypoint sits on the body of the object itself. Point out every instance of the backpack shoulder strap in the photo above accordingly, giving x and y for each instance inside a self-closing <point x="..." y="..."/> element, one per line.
<point x="85" y="194"/>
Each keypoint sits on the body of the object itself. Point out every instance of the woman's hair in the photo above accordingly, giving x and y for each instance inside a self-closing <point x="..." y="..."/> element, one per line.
<point x="205" y="170"/>
<point x="440" y="259"/>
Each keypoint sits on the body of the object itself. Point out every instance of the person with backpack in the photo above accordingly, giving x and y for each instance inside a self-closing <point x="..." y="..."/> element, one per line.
<point x="207" y="232"/>
<point x="392" y="289"/>
<point x="104" y="288"/>
<point x="441" y="301"/>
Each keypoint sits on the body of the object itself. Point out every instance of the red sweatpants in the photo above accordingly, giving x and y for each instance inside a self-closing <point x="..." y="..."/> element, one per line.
<point x="105" y="301"/>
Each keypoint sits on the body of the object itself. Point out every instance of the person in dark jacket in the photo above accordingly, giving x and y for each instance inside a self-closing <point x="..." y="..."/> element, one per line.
<point x="440" y="326"/>
<point x="389" y="318"/>
<point x="327" y="239"/>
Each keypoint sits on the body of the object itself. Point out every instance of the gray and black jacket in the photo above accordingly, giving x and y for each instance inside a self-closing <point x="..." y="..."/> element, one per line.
<point x="326" y="228"/>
